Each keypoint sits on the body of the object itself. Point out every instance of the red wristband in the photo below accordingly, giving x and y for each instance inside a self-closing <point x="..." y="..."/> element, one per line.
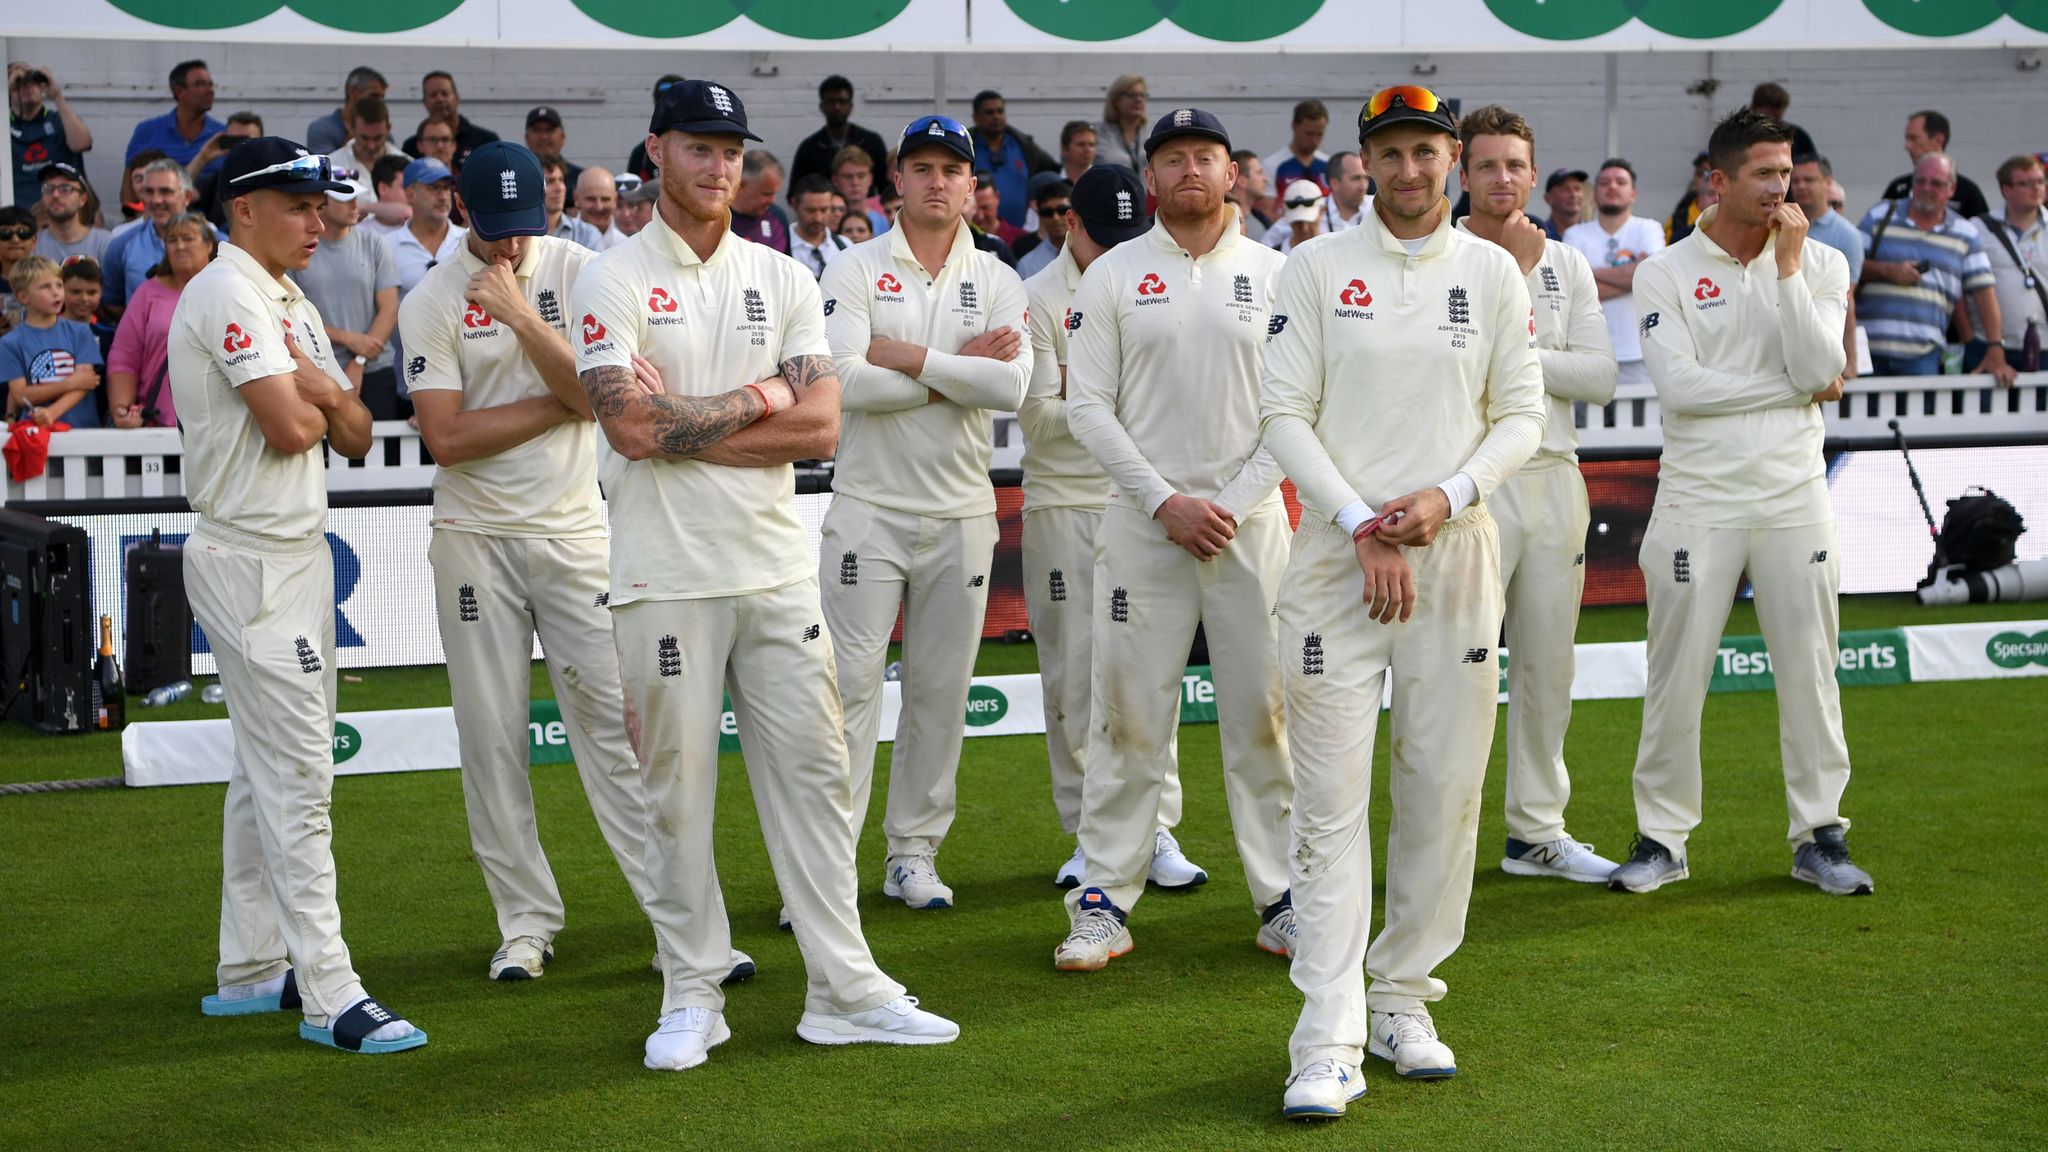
<point x="1366" y="529"/>
<point x="758" y="391"/>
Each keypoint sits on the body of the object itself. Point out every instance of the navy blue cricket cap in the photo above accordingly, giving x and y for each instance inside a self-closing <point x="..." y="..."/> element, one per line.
<point x="935" y="131"/>
<point x="279" y="164"/>
<point x="1110" y="201"/>
<point x="702" y="107"/>
<point x="1186" y="122"/>
<point x="504" y="191"/>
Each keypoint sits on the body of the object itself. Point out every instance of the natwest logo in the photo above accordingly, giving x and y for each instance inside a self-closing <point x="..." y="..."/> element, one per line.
<point x="888" y="283"/>
<point x="1355" y="294"/>
<point x="236" y="339"/>
<point x="592" y="330"/>
<point x="474" y="316"/>
<point x="660" y="301"/>
<point x="1706" y="290"/>
<point x="1151" y="285"/>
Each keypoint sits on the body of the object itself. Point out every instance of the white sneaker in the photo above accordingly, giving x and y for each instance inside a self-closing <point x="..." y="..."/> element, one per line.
<point x="1409" y="1040"/>
<point x="1277" y="934"/>
<point x="1564" y="858"/>
<point x="900" y="1021"/>
<point x="1072" y="872"/>
<point x="521" y="958"/>
<point x="1098" y="936"/>
<point x="1321" y="1090"/>
<point x="782" y="919"/>
<point x="1170" y="869"/>
<point x="915" y="881"/>
<point x="685" y="1037"/>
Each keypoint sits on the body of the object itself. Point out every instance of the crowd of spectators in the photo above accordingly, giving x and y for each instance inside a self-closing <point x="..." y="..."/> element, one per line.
<point x="1935" y="268"/>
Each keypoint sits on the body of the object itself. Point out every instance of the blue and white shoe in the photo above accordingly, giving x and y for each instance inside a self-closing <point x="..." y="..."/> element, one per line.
<point x="1321" y="1090"/>
<point x="250" y="999"/>
<point x="1824" y="863"/>
<point x="1170" y="866"/>
<point x="1277" y="930"/>
<point x="1650" y="866"/>
<point x="522" y="958"/>
<point x="1409" y="1040"/>
<point x="915" y="881"/>
<point x="367" y="1027"/>
<point x="1563" y="857"/>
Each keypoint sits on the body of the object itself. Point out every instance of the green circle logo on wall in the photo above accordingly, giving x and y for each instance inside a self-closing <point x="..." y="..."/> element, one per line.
<point x="2011" y="650"/>
<point x="1561" y="19"/>
<point x="2032" y="13"/>
<point x="347" y="741"/>
<point x="1227" y="20"/>
<point x="363" y="16"/>
<point x="985" y="706"/>
<point x="820" y="19"/>
<point x="1696" y="21"/>
<point x="1946" y="18"/>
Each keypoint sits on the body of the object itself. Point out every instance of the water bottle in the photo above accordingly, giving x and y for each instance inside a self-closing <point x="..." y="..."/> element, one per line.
<point x="2030" y="348"/>
<point x="168" y="694"/>
<point x="213" y="694"/>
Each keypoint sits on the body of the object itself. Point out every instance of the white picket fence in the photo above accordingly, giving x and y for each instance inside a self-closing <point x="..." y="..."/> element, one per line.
<point x="109" y="464"/>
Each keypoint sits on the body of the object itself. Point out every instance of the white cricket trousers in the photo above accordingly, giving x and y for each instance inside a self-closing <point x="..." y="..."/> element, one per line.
<point x="1542" y="516"/>
<point x="1150" y="593"/>
<point x="1690" y="574"/>
<point x="1059" y="582"/>
<point x="492" y="594"/>
<point x="1446" y="681"/>
<point x="871" y="562"/>
<point x="770" y="650"/>
<point x="268" y="611"/>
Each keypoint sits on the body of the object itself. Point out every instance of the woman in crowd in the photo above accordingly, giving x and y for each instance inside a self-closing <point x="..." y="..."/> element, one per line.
<point x="1121" y="136"/>
<point x="138" y="392"/>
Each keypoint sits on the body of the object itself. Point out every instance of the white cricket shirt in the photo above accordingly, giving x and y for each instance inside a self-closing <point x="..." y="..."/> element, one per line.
<point x="1163" y="369"/>
<point x="895" y="449"/>
<point x="1736" y="355"/>
<point x="229" y="329"/>
<point x="1571" y="343"/>
<point x="1387" y="373"/>
<point x="689" y="529"/>
<point x="1058" y="472"/>
<point x="546" y="486"/>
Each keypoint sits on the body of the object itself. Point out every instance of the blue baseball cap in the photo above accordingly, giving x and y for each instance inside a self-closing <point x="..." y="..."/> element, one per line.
<point x="503" y="191"/>
<point x="939" y="131"/>
<point x="700" y="107"/>
<point x="1187" y="122"/>
<point x="426" y="170"/>
<point x="281" y="165"/>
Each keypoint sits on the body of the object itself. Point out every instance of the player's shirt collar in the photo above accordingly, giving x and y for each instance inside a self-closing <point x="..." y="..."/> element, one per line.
<point x="963" y="244"/>
<point x="1387" y="242"/>
<point x="283" y="289"/>
<point x="664" y="240"/>
<point x="1233" y="234"/>
<point x="528" y="260"/>
<point x="1714" y="250"/>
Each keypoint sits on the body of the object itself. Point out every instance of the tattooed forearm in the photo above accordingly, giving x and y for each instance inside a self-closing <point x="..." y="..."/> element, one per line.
<point x="641" y="425"/>
<point x="803" y="371"/>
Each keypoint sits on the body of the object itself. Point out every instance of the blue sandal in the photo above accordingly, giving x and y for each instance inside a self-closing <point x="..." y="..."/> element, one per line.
<point x="349" y="1030"/>
<point x="284" y="1000"/>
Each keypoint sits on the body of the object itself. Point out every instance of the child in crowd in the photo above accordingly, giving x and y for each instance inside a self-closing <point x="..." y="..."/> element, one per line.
<point x="82" y="281"/>
<point x="50" y="364"/>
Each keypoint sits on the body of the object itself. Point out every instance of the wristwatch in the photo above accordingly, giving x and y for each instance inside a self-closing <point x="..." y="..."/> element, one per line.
<point x="362" y="359"/>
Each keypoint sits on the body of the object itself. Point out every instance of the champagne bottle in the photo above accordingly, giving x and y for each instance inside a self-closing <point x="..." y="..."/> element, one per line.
<point x="112" y="713"/>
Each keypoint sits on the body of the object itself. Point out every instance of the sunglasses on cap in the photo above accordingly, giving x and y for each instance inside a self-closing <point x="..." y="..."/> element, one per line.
<point x="1407" y="95"/>
<point x="303" y="167"/>
<point x="922" y="126"/>
<point x="625" y="183"/>
<point x="1303" y="201"/>
<point x="665" y="85"/>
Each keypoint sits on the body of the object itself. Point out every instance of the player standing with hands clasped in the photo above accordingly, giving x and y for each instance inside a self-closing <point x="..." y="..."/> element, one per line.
<point x="257" y="392"/>
<point x="705" y="360"/>
<point x="928" y="335"/>
<point x="1162" y="385"/>
<point x="1401" y="372"/>
<point x="1742" y="330"/>
<point x="519" y="542"/>
<point x="1541" y="511"/>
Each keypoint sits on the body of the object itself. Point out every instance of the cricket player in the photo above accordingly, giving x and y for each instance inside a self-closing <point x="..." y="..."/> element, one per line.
<point x="1064" y="488"/>
<point x="928" y="335"/>
<point x="704" y="359"/>
<point x="257" y="391"/>
<point x="1541" y="511"/>
<point x="1163" y="380"/>
<point x="519" y="542"/>
<point x="1742" y="329"/>
<point x="1402" y="389"/>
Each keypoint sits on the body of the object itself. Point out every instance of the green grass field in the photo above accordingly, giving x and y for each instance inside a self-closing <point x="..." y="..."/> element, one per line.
<point x="1739" y="1009"/>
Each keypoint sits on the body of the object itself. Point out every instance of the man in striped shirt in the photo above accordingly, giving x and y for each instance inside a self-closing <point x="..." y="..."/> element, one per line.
<point x="1920" y="257"/>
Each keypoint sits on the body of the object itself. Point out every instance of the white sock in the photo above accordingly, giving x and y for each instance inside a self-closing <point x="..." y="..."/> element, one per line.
<point x="270" y="987"/>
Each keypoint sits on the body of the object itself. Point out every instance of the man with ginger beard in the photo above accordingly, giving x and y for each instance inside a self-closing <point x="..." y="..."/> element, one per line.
<point x="1162" y="384"/>
<point x="705" y="361"/>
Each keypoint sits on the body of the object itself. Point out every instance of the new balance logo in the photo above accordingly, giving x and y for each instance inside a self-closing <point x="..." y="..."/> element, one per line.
<point x="849" y="569"/>
<point x="1241" y="288"/>
<point x="830" y="305"/>
<point x="1681" y="567"/>
<point x="967" y="296"/>
<point x="1474" y="656"/>
<point x="1312" y="654"/>
<point x="309" y="660"/>
<point x="1120" y="606"/>
<point x="414" y="367"/>
<point x="976" y="581"/>
<point x="1275" y="326"/>
<point x="668" y="659"/>
<point x="810" y="633"/>
<point x="465" y="603"/>
<point x="1820" y="557"/>
<point x="1648" y="322"/>
<point x="1550" y="279"/>
<point x="1073" y="320"/>
<point x="604" y="600"/>
<point x="550" y="309"/>
<point x="1579" y="560"/>
<point x="1056" y="586"/>
<point x="757" y="310"/>
<point x="1460" y="306"/>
